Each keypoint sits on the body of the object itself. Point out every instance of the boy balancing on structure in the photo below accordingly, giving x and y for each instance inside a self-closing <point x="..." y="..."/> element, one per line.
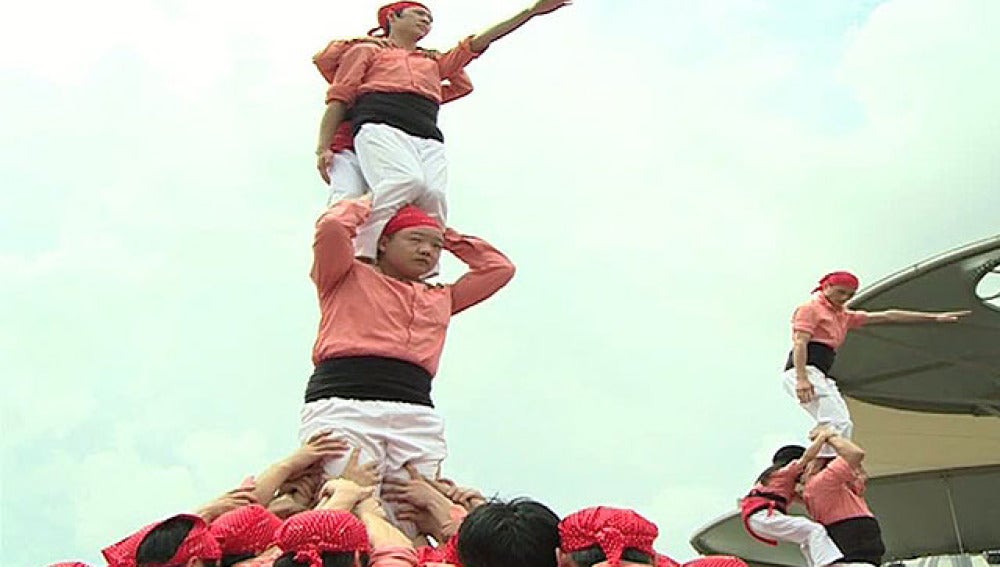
<point x="819" y="327"/>
<point x="382" y="331"/>
<point x="393" y="89"/>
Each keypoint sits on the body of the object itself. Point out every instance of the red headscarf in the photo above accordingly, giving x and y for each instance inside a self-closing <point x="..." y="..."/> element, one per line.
<point x="309" y="534"/>
<point x="846" y="279"/>
<point x="410" y="216"/>
<point x="395" y="7"/>
<point x="69" y="564"/>
<point x="613" y="529"/>
<point x="665" y="561"/>
<point x="716" y="561"/>
<point x="247" y="529"/>
<point x="199" y="544"/>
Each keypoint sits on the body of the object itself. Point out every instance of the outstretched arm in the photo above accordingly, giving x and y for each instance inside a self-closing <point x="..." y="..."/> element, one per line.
<point x="489" y="270"/>
<point x="901" y="316"/>
<point x="483" y="40"/>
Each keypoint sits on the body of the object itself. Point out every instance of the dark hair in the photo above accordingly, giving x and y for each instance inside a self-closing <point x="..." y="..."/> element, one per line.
<point x="330" y="559"/>
<point x="162" y="542"/>
<point x="230" y="560"/>
<point x="521" y="532"/>
<point x="593" y="555"/>
<point x="766" y="474"/>
<point x="787" y="454"/>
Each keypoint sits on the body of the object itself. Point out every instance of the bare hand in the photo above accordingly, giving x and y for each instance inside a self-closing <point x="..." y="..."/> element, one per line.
<point x="319" y="447"/>
<point x="229" y="501"/>
<point x="362" y="475"/>
<point x="323" y="161"/>
<point x="804" y="391"/>
<point x="822" y="430"/>
<point x="546" y="6"/>
<point x="950" y="316"/>
<point x="344" y="494"/>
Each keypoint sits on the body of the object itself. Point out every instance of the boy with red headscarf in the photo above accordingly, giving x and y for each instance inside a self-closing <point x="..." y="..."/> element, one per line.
<point x="819" y="327"/>
<point x="381" y="333"/>
<point x="393" y="90"/>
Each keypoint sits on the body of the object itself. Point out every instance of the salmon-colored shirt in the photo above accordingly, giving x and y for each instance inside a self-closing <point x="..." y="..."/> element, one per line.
<point x="365" y="313"/>
<point x="782" y="481"/>
<point x="834" y="494"/>
<point x="826" y="322"/>
<point x="368" y="67"/>
<point x="393" y="556"/>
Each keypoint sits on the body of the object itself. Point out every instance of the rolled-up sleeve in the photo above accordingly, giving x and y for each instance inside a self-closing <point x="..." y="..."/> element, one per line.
<point x="453" y="61"/>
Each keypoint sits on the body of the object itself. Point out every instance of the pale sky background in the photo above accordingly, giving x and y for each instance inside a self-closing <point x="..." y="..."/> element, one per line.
<point x="669" y="176"/>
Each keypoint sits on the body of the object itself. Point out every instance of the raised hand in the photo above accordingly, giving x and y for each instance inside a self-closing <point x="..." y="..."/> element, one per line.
<point x="362" y="475"/>
<point x="231" y="500"/>
<point x="319" y="447"/>
<point x="545" y="6"/>
<point x="950" y="316"/>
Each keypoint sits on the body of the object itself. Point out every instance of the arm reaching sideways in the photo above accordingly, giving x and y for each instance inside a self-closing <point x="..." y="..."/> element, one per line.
<point x="483" y="40"/>
<point x="900" y="316"/>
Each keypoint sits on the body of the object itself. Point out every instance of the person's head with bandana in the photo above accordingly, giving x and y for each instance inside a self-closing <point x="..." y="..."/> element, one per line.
<point x="180" y="541"/>
<point x="406" y="21"/>
<point x="602" y="536"/>
<point x="323" y="538"/>
<point x="838" y="287"/>
<point x="410" y="244"/>
<point x="244" y="533"/>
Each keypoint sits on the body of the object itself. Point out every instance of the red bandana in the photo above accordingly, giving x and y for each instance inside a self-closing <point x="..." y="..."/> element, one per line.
<point x="613" y="529"/>
<point x="716" y="561"/>
<point x="69" y="564"/>
<point x="410" y="216"/>
<point x="199" y="544"/>
<point x="846" y="279"/>
<point x="247" y="529"/>
<point x="664" y="561"/>
<point x="395" y="7"/>
<point x="310" y="534"/>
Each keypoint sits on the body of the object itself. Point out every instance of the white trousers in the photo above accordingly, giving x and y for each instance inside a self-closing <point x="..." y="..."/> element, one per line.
<point x="391" y="433"/>
<point x="400" y="169"/>
<point x="811" y="537"/>
<point x="827" y="408"/>
<point x="346" y="179"/>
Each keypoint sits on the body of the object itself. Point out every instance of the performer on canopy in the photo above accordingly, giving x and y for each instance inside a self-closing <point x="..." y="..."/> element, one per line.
<point x="819" y="327"/>
<point x="382" y="331"/>
<point x="765" y="509"/>
<point x="393" y="89"/>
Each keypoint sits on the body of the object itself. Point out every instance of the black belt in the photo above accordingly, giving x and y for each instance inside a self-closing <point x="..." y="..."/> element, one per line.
<point x="375" y="378"/>
<point x="817" y="354"/>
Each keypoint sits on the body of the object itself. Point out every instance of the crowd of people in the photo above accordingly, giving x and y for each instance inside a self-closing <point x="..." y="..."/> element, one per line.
<point x="366" y="486"/>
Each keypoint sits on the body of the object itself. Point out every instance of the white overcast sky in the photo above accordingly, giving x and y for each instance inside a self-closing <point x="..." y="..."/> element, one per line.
<point x="670" y="178"/>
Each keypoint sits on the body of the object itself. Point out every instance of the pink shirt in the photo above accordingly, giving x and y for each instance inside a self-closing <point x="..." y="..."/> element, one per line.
<point x="833" y="495"/>
<point x="393" y="556"/>
<point x="782" y="481"/>
<point x="826" y="322"/>
<point x="368" y="67"/>
<point x="365" y="313"/>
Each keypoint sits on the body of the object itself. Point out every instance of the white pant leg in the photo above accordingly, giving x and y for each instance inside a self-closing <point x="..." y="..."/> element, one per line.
<point x="828" y="407"/>
<point x="433" y="201"/>
<point x="415" y="435"/>
<point x="346" y="179"/>
<point x="811" y="537"/>
<point x="357" y="421"/>
<point x="390" y="161"/>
